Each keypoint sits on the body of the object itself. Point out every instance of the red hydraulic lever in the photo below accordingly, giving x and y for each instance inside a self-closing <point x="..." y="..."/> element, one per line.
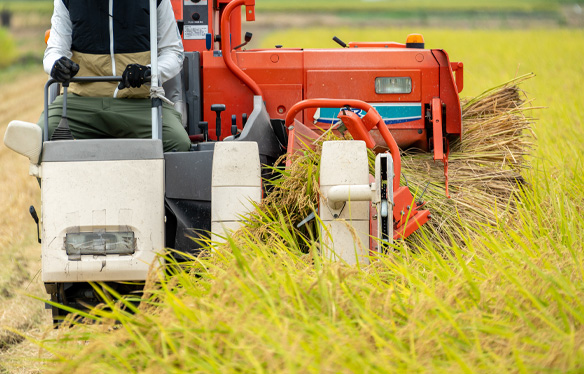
<point x="226" y="42"/>
<point x="359" y="130"/>
<point x="437" y="127"/>
<point x="440" y="140"/>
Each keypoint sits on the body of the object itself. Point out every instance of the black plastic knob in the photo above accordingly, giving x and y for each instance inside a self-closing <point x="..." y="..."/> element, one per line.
<point x="218" y="108"/>
<point x="204" y="127"/>
<point x="233" y="124"/>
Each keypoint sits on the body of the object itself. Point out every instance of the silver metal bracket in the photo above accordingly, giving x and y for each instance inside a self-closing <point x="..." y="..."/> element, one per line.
<point x="384" y="198"/>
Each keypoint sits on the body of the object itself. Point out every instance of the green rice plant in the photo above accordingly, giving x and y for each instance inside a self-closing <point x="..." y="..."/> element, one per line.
<point x="8" y="47"/>
<point x="426" y="6"/>
<point x="494" y="305"/>
<point x="44" y="7"/>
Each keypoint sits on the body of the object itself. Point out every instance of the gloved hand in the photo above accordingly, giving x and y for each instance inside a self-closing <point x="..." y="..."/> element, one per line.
<point x="135" y="75"/>
<point x="64" y="69"/>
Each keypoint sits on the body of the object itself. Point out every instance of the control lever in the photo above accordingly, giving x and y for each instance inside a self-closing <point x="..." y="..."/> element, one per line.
<point x="218" y="108"/>
<point x="233" y="124"/>
<point x="35" y="217"/>
<point x="340" y="42"/>
<point x="204" y="127"/>
<point x="247" y="38"/>
<point x="63" y="132"/>
<point x="243" y="120"/>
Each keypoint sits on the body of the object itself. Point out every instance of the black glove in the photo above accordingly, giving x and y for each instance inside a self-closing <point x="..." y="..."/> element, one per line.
<point x="135" y="75"/>
<point x="64" y="69"/>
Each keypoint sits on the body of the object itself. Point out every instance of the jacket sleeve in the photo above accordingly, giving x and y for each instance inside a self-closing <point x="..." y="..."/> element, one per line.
<point x="170" y="47"/>
<point x="59" y="43"/>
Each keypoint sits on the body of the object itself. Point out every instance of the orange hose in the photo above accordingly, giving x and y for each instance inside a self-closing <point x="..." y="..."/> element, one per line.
<point x="226" y="48"/>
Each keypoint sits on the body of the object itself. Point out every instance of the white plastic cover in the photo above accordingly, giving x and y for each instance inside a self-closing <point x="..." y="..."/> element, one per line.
<point x="344" y="233"/>
<point x="25" y="138"/>
<point x="236" y="184"/>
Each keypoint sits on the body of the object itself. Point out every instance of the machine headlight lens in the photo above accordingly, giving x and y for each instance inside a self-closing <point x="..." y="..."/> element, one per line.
<point x="100" y="243"/>
<point x="393" y="85"/>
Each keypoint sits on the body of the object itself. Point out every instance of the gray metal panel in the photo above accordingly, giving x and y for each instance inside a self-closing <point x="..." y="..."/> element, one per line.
<point x="192" y="85"/>
<point x="188" y="175"/>
<point x="174" y="91"/>
<point x="206" y="146"/>
<point x="102" y="150"/>
<point x="259" y="129"/>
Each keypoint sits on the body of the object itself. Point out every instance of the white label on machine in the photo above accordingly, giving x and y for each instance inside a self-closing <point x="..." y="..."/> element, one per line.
<point x="195" y="32"/>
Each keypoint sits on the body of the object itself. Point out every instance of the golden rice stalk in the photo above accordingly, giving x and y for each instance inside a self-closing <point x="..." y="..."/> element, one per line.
<point x="485" y="166"/>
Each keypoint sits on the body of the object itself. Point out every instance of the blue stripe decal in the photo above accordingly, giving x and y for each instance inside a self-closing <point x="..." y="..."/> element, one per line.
<point x="391" y="113"/>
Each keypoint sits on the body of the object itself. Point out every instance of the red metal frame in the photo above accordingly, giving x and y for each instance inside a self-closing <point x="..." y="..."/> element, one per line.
<point x="286" y="76"/>
<point x="437" y="127"/>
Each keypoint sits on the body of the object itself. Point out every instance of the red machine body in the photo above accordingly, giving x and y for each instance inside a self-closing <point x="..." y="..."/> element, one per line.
<point x="400" y="95"/>
<point x="287" y="76"/>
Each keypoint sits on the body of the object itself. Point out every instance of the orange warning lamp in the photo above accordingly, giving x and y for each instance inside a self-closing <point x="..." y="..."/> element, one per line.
<point x="415" y="41"/>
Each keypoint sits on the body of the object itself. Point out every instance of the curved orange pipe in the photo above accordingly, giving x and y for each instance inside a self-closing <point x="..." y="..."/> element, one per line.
<point x="339" y="103"/>
<point x="226" y="48"/>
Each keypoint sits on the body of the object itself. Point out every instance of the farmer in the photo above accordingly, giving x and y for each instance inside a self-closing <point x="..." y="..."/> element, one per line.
<point x="112" y="38"/>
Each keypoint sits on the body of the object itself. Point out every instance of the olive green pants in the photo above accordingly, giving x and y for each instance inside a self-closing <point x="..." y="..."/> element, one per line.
<point x="106" y="117"/>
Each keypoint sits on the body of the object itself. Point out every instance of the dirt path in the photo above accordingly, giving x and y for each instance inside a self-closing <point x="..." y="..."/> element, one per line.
<point x="19" y="251"/>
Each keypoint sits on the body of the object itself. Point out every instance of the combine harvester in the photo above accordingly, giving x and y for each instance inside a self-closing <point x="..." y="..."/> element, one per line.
<point x="109" y="206"/>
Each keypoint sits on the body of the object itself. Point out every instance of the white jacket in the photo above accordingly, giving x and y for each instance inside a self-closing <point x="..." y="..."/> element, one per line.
<point x="170" y="48"/>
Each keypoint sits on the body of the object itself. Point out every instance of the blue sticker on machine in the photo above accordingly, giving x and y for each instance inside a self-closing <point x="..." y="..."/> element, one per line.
<point x="391" y="113"/>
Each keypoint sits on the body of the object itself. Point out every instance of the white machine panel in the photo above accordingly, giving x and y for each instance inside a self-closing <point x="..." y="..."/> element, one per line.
<point x="344" y="232"/>
<point x="236" y="185"/>
<point x="101" y="197"/>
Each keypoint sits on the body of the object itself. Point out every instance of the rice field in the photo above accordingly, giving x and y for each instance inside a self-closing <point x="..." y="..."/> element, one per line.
<point x="29" y="7"/>
<point x="417" y="5"/>
<point x="508" y="299"/>
<point x="45" y="6"/>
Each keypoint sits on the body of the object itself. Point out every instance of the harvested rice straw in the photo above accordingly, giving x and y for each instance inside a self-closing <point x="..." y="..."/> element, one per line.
<point x="484" y="174"/>
<point x="484" y="167"/>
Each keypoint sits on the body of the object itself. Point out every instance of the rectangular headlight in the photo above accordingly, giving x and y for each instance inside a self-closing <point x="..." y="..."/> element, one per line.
<point x="393" y="85"/>
<point x="100" y="243"/>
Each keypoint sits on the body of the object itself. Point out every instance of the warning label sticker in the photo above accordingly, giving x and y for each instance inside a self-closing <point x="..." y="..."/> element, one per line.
<point x="192" y="32"/>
